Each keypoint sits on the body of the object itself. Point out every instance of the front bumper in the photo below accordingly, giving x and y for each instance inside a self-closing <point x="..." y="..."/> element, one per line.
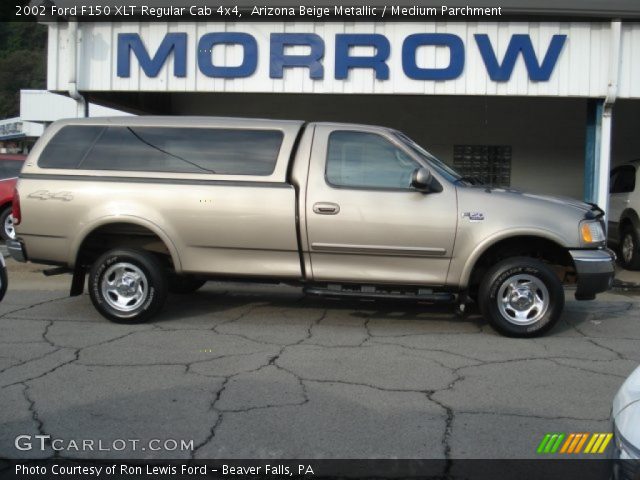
<point x="595" y="270"/>
<point x="16" y="250"/>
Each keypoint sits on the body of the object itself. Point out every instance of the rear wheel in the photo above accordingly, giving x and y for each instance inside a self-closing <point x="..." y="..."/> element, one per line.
<point x="629" y="255"/>
<point x="521" y="297"/>
<point x="128" y="286"/>
<point x="7" y="229"/>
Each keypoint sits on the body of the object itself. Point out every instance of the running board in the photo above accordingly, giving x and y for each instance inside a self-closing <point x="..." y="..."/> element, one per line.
<point x="425" y="295"/>
<point x="50" y="272"/>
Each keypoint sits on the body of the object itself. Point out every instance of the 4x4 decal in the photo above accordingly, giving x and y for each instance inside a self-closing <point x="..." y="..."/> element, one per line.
<point x="47" y="195"/>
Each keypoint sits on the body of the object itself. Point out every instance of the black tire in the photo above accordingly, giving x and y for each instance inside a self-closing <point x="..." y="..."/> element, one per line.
<point x="148" y="294"/>
<point x="3" y="221"/>
<point x="184" y="284"/>
<point x="629" y="259"/>
<point x="538" y="288"/>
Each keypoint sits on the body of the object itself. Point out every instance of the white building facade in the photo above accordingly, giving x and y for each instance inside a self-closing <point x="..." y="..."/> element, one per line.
<point x="542" y="105"/>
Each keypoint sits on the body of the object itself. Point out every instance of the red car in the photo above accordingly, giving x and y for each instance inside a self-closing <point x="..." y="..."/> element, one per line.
<point x="10" y="167"/>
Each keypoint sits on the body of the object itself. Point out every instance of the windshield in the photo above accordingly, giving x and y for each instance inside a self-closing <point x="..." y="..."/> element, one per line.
<point x="442" y="168"/>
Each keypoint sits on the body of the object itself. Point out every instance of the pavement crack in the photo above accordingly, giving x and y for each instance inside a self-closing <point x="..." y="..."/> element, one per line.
<point x="44" y="374"/>
<point x="35" y="416"/>
<point x="46" y="331"/>
<point x="448" y="428"/>
<point x="615" y="352"/>
<point x="33" y="359"/>
<point x="219" y="413"/>
<point x="33" y="305"/>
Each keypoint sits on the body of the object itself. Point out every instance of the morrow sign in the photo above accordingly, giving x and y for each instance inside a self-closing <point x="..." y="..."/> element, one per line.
<point x="539" y="65"/>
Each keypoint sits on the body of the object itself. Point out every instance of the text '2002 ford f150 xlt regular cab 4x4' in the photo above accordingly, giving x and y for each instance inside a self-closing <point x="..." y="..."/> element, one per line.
<point x="151" y="205"/>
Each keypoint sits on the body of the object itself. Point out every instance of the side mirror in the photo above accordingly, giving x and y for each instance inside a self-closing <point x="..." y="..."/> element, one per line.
<point x="421" y="179"/>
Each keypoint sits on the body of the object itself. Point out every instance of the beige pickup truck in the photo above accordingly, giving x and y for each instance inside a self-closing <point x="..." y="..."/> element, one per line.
<point x="150" y="205"/>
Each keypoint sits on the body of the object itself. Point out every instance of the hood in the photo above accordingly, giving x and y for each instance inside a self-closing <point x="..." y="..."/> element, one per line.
<point x="572" y="203"/>
<point x="628" y="394"/>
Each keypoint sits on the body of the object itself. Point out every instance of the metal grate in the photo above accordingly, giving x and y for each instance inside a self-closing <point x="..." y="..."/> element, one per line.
<point x="490" y="164"/>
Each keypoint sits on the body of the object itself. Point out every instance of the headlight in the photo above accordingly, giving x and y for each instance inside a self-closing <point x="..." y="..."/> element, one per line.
<point x="591" y="232"/>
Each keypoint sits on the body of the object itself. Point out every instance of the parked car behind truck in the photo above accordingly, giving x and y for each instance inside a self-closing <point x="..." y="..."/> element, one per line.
<point x="147" y="205"/>
<point x="624" y="210"/>
<point x="10" y="166"/>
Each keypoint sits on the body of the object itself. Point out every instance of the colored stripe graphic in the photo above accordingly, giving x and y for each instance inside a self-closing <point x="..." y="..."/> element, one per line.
<point x="550" y="443"/>
<point x="605" y="443"/>
<point x="574" y="443"/>
<point x="569" y="441"/>
<point x="582" y="442"/>
<point x="598" y="443"/>
<point x="555" y="443"/>
<point x="543" y="443"/>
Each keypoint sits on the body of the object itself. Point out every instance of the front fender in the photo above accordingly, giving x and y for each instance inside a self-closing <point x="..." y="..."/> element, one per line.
<point x="469" y="259"/>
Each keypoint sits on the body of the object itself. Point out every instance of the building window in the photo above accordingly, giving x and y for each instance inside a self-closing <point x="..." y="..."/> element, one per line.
<point x="489" y="164"/>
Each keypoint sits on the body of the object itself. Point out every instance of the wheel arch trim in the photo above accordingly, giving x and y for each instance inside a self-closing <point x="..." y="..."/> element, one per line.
<point x="492" y="240"/>
<point x="631" y="215"/>
<point x="74" y="249"/>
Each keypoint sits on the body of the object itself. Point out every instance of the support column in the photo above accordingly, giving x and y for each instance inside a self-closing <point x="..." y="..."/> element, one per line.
<point x="598" y="153"/>
<point x="595" y="107"/>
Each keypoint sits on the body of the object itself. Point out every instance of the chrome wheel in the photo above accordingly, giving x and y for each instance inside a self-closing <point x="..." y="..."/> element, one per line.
<point x="124" y="287"/>
<point x="523" y="299"/>
<point x="627" y="248"/>
<point x="9" y="229"/>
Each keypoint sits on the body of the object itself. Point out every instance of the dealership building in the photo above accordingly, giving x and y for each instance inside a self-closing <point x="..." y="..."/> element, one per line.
<point x="545" y="100"/>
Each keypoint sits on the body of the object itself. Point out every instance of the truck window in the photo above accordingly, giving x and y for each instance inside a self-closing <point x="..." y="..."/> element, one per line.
<point x="183" y="150"/>
<point x="624" y="180"/>
<point x="367" y="160"/>
<point x="67" y="148"/>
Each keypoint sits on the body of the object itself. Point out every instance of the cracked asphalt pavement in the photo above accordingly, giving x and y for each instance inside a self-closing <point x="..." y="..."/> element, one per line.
<point x="248" y="371"/>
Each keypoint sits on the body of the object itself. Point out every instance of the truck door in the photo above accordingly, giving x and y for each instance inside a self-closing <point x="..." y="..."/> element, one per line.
<point x="364" y="221"/>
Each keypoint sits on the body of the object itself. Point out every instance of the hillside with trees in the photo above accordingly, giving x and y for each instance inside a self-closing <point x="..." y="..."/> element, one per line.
<point x="23" y="60"/>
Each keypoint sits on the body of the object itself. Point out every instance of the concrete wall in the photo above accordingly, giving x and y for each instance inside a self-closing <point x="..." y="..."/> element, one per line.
<point x="547" y="135"/>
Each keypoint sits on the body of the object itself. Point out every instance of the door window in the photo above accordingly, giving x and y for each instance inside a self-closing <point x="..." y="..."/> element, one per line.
<point x="367" y="160"/>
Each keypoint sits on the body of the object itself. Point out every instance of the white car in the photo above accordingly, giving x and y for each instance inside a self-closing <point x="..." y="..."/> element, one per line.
<point x="624" y="207"/>
<point x="626" y="428"/>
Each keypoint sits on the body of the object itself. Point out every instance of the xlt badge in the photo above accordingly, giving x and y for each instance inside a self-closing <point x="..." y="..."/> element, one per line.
<point x="473" y="216"/>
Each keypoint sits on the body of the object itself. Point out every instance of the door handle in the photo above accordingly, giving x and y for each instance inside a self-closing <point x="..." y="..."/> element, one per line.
<point x="326" y="208"/>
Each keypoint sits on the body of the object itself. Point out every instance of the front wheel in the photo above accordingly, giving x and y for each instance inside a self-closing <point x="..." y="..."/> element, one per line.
<point x="128" y="286"/>
<point x="521" y="297"/>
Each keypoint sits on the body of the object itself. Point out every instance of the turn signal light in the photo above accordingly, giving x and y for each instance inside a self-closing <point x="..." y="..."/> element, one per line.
<point x="591" y="232"/>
